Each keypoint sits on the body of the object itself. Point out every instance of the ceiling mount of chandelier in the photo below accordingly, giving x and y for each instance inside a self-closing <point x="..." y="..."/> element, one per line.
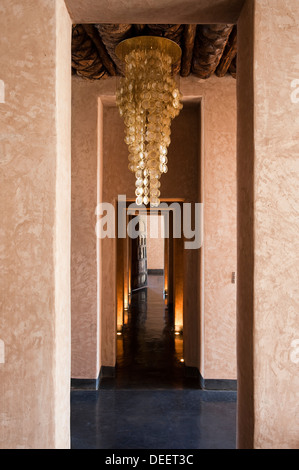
<point x="148" y="98"/>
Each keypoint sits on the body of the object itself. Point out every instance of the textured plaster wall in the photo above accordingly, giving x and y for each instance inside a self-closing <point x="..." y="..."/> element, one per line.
<point x="86" y="193"/>
<point x="183" y="180"/>
<point x="165" y="11"/>
<point x="272" y="148"/>
<point x="63" y="228"/>
<point x="155" y="243"/>
<point x="219" y="245"/>
<point x="35" y="228"/>
<point x="218" y="193"/>
<point x="245" y="175"/>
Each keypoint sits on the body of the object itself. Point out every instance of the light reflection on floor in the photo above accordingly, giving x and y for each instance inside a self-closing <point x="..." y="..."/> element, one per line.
<point x="149" y="353"/>
<point x="150" y="404"/>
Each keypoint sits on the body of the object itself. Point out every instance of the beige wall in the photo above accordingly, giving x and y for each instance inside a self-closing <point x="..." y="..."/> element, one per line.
<point x="216" y="295"/>
<point x="84" y="261"/>
<point x="245" y="175"/>
<point x="166" y="11"/>
<point x="86" y="264"/>
<point x="35" y="226"/>
<point x="34" y="311"/>
<point x="268" y="230"/>
<point x="155" y="243"/>
<point x="183" y="180"/>
<point x="218" y="353"/>
<point x="62" y="359"/>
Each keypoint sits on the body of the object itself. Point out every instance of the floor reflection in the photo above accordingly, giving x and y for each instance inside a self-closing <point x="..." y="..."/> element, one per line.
<point x="149" y="354"/>
<point x="150" y="404"/>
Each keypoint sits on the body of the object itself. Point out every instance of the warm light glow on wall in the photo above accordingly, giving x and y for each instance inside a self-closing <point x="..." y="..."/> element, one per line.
<point x="119" y="345"/>
<point x="126" y="317"/>
<point x="119" y="315"/>
<point x="179" y="347"/>
<point x="178" y="322"/>
<point x="178" y="283"/>
<point x="129" y="280"/>
<point x="120" y="299"/>
<point x="178" y="304"/>
<point x="126" y="296"/>
<point x="165" y="280"/>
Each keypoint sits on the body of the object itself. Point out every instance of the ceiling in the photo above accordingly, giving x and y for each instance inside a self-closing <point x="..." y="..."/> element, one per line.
<point x="153" y="11"/>
<point x="207" y="49"/>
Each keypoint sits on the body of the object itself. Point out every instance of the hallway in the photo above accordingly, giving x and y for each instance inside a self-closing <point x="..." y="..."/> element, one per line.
<point x="151" y="403"/>
<point x="148" y="351"/>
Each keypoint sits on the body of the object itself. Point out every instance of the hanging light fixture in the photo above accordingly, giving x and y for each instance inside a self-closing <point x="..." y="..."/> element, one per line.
<point x="148" y="99"/>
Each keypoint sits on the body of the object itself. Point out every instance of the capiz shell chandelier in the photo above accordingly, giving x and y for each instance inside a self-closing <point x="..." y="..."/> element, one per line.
<point x="148" y="99"/>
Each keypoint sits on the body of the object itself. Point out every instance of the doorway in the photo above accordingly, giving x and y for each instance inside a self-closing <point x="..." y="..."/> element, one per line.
<point x="149" y="346"/>
<point x="199" y="163"/>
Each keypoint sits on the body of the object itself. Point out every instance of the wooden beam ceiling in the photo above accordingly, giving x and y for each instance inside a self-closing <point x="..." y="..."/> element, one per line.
<point x="229" y="54"/>
<point x="206" y="49"/>
<point x="187" y="49"/>
<point x="210" y="42"/>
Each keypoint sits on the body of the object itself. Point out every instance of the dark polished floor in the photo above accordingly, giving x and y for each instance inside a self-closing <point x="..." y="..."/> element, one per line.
<point x="152" y="403"/>
<point x="149" y="354"/>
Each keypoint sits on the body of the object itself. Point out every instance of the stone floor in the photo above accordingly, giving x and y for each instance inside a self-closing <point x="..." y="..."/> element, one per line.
<point x="152" y="403"/>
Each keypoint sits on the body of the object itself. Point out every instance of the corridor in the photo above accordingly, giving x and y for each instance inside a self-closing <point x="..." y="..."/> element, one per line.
<point x="149" y="353"/>
<point x="151" y="403"/>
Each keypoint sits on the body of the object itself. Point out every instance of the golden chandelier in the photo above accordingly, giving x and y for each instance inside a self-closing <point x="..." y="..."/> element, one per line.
<point x="148" y="99"/>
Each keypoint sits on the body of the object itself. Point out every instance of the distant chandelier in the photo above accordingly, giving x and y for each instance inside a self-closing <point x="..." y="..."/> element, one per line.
<point x="148" y="98"/>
